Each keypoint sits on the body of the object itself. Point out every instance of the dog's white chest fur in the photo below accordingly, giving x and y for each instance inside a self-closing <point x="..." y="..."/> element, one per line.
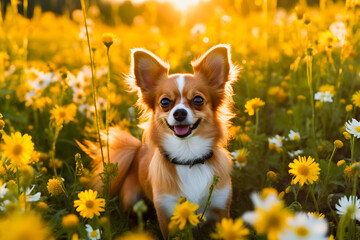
<point x="195" y="182"/>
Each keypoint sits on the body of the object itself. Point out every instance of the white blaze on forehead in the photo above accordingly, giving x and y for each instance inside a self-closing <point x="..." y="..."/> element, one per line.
<point x="180" y="80"/>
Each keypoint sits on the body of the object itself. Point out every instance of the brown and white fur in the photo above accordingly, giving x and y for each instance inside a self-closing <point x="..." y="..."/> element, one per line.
<point x="143" y="169"/>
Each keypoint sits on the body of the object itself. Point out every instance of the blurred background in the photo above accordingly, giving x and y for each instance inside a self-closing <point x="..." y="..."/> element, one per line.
<point x="171" y="9"/>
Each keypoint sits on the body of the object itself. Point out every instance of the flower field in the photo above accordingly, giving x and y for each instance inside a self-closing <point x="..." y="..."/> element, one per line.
<point x="295" y="139"/>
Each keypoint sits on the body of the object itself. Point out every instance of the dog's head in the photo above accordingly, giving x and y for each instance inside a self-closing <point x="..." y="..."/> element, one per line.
<point x="183" y="106"/>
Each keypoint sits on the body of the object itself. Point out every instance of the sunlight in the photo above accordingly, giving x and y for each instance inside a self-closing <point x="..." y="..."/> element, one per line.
<point x="184" y="4"/>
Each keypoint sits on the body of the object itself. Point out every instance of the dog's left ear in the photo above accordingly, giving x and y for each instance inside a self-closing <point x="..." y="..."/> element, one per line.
<point x="215" y="66"/>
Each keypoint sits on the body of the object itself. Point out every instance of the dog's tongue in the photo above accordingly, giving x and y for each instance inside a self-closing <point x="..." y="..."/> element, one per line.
<point x="181" y="130"/>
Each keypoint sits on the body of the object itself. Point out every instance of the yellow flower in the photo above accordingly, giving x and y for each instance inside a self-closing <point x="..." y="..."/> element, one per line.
<point x="135" y="236"/>
<point x="304" y="170"/>
<point x="63" y="114"/>
<point x="88" y="204"/>
<point x="54" y="187"/>
<point x="184" y="213"/>
<point x="228" y="229"/>
<point x="338" y="144"/>
<point x="27" y="226"/>
<point x="265" y="192"/>
<point x="317" y="215"/>
<point x="272" y="176"/>
<point x="19" y="149"/>
<point x="271" y="221"/>
<point x="235" y="131"/>
<point x="241" y="156"/>
<point x="356" y="98"/>
<point x="108" y="39"/>
<point x="252" y="105"/>
<point x="301" y="97"/>
<point x="70" y="221"/>
<point x="349" y="107"/>
<point x="349" y="171"/>
<point x="42" y="206"/>
<point x="244" y="138"/>
<point x="288" y="189"/>
<point x="327" y="88"/>
<point x="347" y="135"/>
<point x="340" y="163"/>
<point x="281" y="195"/>
<point x="279" y="93"/>
<point x="2" y="124"/>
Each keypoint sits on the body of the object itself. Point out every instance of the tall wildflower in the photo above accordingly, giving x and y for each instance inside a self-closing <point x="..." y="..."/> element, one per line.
<point x="185" y="212"/>
<point x="18" y="148"/>
<point x="88" y="204"/>
<point x="270" y="215"/>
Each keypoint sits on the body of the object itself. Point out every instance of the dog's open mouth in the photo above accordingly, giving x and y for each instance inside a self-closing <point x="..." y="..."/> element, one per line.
<point x="182" y="131"/>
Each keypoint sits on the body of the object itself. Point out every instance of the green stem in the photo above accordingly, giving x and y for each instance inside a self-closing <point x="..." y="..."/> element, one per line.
<point x="309" y="81"/>
<point x="313" y="197"/>
<point x="211" y="189"/>
<point x="93" y="82"/>
<point x="257" y="121"/>
<point x="108" y="106"/>
<point x="353" y="225"/>
<point x="352" y="142"/>
<point x="331" y="157"/>
<point x="18" y="180"/>
<point x="57" y="130"/>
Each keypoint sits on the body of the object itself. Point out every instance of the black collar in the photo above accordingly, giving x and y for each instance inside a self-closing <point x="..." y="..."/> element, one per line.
<point x="190" y="162"/>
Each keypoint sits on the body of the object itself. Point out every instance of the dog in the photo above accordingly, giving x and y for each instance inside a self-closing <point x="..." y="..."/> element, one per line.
<point x="186" y="119"/>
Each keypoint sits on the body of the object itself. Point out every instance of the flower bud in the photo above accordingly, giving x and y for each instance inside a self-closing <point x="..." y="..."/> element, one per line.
<point x="338" y="144"/>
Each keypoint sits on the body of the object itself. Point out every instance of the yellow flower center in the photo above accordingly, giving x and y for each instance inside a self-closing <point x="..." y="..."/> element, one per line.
<point x="296" y="137"/>
<point x="241" y="158"/>
<point x="358" y="129"/>
<point x="303" y="170"/>
<point x="17" y="150"/>
<point x="302" y="232"/>
<point x="185" y="213"/>
<point x="273" y="221"/>
<point x="93" y="234"/>
<point x="62" y="114"/>
<point x="89" y="203"/>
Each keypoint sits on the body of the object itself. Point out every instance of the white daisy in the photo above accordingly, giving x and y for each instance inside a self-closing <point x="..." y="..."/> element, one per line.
<point x="3" y="190"/>
<point x="338" y="29"/>
<point x="277" y="140"/>
<point x="305" y="227"/>
<point x="349" y="204"/>
<point x="84" y="109"/>
<point x="32" y="197"/>
<point x="93" y="234"/>
<point x="295" y="153"/>
<point x="79" y="96"/>
<point x="324" y="96"/>
<point x="353" y="127"/>
<point x="294" y="136"/>
<point x="101" y="103"/>
<point x="265" y="204"/>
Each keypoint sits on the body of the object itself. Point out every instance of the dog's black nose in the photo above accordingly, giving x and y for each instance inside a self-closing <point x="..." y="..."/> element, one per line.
<point x="180" y="115"/>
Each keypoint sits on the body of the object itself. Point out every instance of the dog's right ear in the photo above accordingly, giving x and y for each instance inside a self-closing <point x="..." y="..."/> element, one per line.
<point x="148" y="69"/>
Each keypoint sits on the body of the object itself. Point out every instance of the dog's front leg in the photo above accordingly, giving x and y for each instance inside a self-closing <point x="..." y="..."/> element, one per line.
<point x="164" y="204"/>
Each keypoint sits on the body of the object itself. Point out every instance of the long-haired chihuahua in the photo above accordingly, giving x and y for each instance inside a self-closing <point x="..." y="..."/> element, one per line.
<point x="186" y="120"/>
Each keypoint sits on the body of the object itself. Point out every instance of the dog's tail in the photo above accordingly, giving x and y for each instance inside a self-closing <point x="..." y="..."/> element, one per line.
<point x="123" y="148"/>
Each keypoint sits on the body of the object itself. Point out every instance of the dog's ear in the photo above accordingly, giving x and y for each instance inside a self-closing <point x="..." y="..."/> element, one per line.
<point x="214" y="65"/>
<point x="147" y="69"/>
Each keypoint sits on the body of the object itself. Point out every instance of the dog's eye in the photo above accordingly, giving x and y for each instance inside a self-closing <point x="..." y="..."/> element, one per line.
<point x="198" y="101"/>
<point x="165" y="102"/>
